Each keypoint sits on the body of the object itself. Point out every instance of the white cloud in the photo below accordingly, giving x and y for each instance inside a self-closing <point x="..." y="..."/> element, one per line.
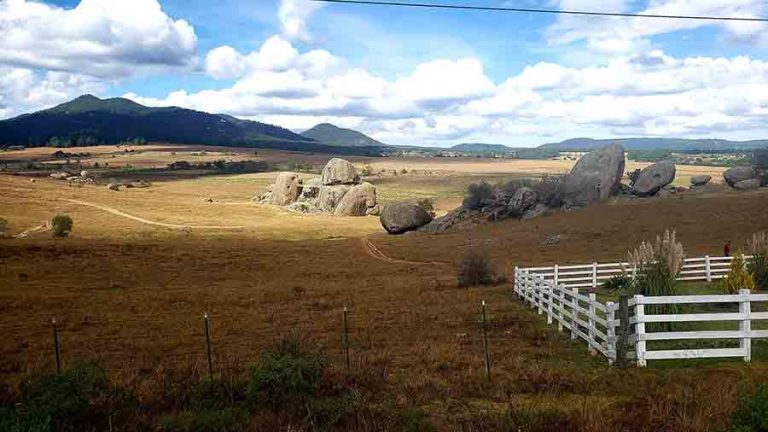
<point x="98" y="37"/>
<point x="293" y="15"/>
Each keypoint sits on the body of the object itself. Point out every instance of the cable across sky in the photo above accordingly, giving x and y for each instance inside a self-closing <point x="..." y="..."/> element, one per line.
<point x="543" y="11"/>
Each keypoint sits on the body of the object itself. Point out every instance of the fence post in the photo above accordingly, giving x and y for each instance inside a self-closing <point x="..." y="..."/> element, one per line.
<point x="556" y="275"/>
<point x="640" y="330"/>
<point x="591" y="317"/>
<point x="540" y="295"/>
<point x="485" y="345"/>
<point x="208" y="345"/>
<point x="56" y="346"/>
<point x="550" y="300"/>
<point x="610" y="318"/>
<point x="745" y="309"/>
<point x="516" y="289"/>
<point x="594" y="275"/>
<point x="563" y="308"/>
<point x="623" y="340"/>
<point x="346" y="336"/>
<point x="574" y="313"/>
<point x="709" y="268"/>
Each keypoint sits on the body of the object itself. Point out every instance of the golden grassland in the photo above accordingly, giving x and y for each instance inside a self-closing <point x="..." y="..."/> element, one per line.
<point x="131" y="295"/>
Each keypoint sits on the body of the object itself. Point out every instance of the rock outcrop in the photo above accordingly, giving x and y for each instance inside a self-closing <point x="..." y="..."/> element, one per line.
<point x="596" y="176"/>
<point x="339" y="171"/>
<point x="739" y="174"/>
<point x="338" y="191"/>
<point x="654" y="177"/>
<point x="286" y="189"/>
<point x="401" y="217"/>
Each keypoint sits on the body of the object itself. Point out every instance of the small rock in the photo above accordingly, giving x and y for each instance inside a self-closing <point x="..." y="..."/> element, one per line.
<point x="700" y="180"/>
<point x="746" y="185"/>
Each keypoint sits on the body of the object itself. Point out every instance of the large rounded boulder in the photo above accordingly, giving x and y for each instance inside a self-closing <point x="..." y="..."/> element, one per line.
<point x="596" y="176"/>
<point x="401" y="217"/>
<point x="739" y="174"/>
<point x="746" y="185"/>
<point x="286" y="189"/>
<point x="654" y="177"/>
<point x="339" y="171"/>
<point x="361" y="200"/>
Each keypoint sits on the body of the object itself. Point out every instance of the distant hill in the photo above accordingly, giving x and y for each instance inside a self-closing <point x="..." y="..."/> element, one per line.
<point x="482" y="148"/>
<point x="89" y="120"/>
<point x="327" y="133"/>
<point x="657" y="143"/>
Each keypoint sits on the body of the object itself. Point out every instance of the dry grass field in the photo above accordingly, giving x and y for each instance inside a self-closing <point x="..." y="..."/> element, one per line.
<point x="130" y="286"/>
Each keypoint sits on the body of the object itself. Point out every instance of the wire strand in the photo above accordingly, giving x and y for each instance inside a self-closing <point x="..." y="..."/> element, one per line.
<point x="542" y="11"/>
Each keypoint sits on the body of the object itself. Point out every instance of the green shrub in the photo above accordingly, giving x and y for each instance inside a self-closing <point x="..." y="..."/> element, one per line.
<point x="758" y="266"/>
<point x="224" y="420"/>
<point x="289" y="372"/>
<point x="618" y="283"/>
<point x="12" y="421"/>
<point x="751" y="415"/>
<point x="73" y="400"/>
<point x="476" y="194"/>
<point x="738" y="278"/>
<point x="550" y="190"/>
<point x="61" y="225"/>
<point x="476" y="270"/>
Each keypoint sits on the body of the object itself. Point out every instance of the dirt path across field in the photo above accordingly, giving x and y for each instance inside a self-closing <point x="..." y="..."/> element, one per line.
<point x="42" y="227"/>
<point x="150" y="222"/>
<point x="372" y="250"/>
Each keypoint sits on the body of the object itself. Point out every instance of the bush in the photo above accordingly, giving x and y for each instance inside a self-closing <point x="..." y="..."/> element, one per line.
<point x="428" y="205"/>
<point x="476" y="194"/>
<point x="366" y="171"/>
<point x="4" y="228"/>
<point x="758" y="266"/>
<point x="550" y="190"/>
<point x="289" y="372"/>
<point x="61" y="225"/>
<point x="618" y="283"/>
<point x="476" y="270"/>
<point x="738" y="278"/>
<point x="751" y="415"/>
<point x="224" y="420"/>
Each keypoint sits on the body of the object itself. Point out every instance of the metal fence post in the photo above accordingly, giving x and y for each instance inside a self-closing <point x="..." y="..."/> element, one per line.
<point x="592" y="311"/>
<point x="574" y="312"/>
<point x="610" y="318"/>
<point x="56" y="345"/>
<point x="745" y="325"/>
<point x="640" y="330"/>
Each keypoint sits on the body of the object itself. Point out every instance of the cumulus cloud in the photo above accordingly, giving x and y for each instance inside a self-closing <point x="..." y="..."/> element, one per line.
<point x="101" y="38"/>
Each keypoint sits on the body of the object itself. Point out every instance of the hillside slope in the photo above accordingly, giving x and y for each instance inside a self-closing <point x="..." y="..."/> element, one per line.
<point x="333" y="135"/>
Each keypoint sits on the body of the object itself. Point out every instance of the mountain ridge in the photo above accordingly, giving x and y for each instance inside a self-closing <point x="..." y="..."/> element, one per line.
<point x="330" y="134"/>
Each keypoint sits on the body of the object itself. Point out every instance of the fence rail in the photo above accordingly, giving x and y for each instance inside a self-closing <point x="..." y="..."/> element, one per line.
<point x="592" y="275"/>
<point x="600" y="324"/>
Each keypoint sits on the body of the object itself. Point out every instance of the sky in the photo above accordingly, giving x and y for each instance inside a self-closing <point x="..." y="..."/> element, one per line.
<point x="403" y="75"/>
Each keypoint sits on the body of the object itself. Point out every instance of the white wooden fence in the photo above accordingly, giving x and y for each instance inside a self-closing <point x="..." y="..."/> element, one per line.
<point x="593" y="275"/>
<point x="598" y="324"/>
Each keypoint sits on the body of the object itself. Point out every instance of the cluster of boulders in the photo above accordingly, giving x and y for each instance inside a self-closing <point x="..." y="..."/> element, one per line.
<point x="742" y="178"/>
<point x="84" y="177"/>
<point x="338" y="191"/>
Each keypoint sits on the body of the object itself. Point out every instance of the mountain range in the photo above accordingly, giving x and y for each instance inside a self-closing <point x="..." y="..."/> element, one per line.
<point x="89" y="120"/>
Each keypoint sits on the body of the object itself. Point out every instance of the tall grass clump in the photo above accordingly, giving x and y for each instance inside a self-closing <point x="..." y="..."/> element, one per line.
<point x="476" y="269"/>
<point x="61" y="225"/>
<point x="751" y="415"/>
<point x="758" y="266"/>
<point x="738" y="278"/>
<point x="657" y="266"/>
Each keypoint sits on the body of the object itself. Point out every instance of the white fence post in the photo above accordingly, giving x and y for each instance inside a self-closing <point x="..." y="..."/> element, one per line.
<point x="574" y="312"/>
<point x="517" y="281"/>
<point x="592" y="311"/>
<point x="540" y="294"/>
<point x="709" y="268"/>
<point x="640" y="330"/>
<point x="610" y="318"/>
<point x="551" y="299"/>
<point x="745" y="325"/>
<point x="556" y="273"/>
<point x="594" y="275"/>
<point x="563" y="308"/>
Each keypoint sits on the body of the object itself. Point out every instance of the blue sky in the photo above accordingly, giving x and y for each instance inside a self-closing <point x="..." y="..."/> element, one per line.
<point x="402" y="75"/>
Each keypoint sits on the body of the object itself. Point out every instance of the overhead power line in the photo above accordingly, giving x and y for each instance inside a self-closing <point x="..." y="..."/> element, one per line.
<point x="542" y="11"/>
